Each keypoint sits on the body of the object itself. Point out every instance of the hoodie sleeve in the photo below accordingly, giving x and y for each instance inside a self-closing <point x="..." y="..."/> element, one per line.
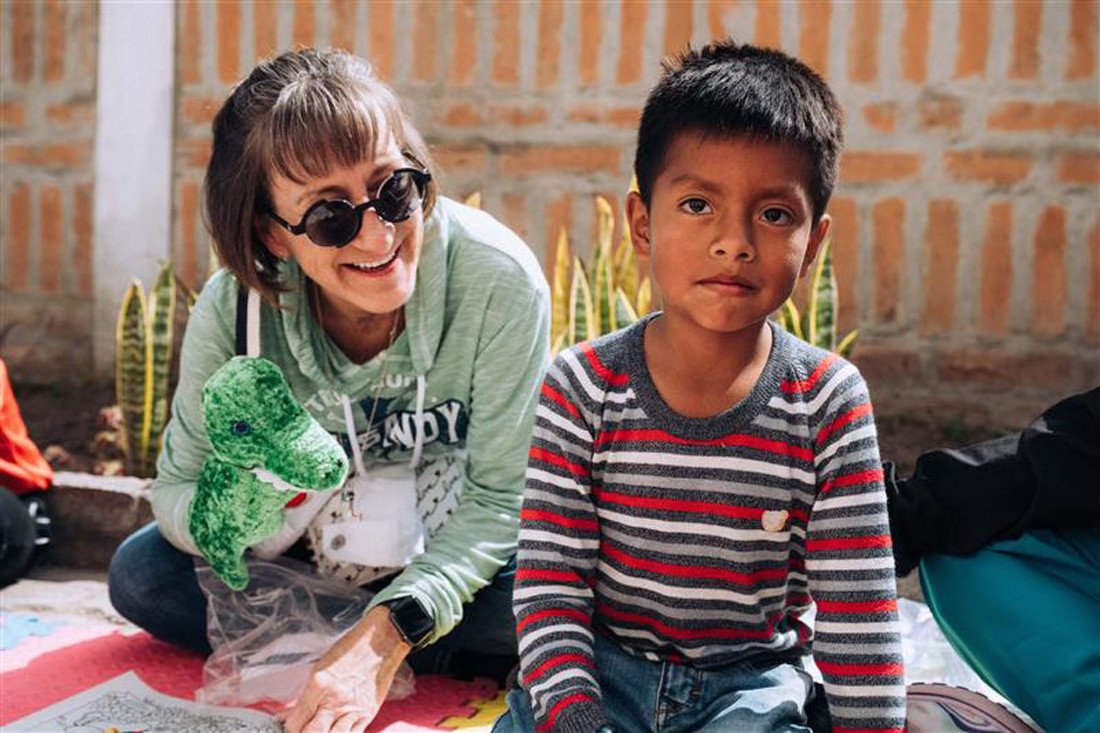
<point x="480" y="536"/>
<point x="207" y="345"/>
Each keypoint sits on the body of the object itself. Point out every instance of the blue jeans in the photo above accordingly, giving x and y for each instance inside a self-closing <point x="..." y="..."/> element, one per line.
<point x="638" y="695"/>
<point x="153" y="585"/>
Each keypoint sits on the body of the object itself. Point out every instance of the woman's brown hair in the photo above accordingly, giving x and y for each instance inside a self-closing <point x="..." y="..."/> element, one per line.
<point x="298" y="116"/>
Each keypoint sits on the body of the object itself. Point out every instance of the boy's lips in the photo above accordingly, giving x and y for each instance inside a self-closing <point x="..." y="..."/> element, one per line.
<point x="731" y="283"/>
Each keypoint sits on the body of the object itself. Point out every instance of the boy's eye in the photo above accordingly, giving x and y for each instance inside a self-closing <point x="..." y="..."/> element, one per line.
<point x="777" y="216"/>
<point x="695" y="206"/>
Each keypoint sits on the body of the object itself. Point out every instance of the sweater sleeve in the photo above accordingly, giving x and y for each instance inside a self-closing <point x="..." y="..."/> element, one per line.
<point x="558" y="546"/>
<point x="207" y="345"/>
<point x="479" y="538"/>
<point x="849" y="562"/>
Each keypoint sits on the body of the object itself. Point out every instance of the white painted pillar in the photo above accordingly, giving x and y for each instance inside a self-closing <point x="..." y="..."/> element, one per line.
<point x="133" y="156"/>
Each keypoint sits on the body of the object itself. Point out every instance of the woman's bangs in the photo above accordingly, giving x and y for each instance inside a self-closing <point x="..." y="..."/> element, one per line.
<point x="315" y="129"/>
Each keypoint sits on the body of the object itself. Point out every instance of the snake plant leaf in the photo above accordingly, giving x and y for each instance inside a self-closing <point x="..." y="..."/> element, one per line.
<point x="474" y="200"/>
<point x="791" y="318"/>
<point x="603" y="288"/>
<point x="821" y="311"/>
<point x="130" y="372"/>
<point x="583" y="321"/>
<point x="624" y="312"/>
<point x="158" y="363"/>
<point x="559" y="343"/>
<point x="626" y="264"/>
<point x="844" y="348"/>
<point x="559" y="287"/>
<point x="645" y="298"/>
<point x="780" y="317"/>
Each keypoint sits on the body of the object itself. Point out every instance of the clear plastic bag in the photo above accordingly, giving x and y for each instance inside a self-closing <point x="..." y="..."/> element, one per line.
<point x="266" y="637"/>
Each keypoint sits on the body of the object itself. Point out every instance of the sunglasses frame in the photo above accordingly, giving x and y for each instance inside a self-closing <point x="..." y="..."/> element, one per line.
<point x="420" y="178"/>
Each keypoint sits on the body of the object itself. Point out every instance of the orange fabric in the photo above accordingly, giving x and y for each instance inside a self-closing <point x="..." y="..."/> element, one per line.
<point x="22" y="467"/>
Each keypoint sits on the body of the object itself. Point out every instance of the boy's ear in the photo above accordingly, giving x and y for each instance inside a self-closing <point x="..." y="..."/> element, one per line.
<point x="262" y="225"/>
<point x="638" y="216"/>
<point x="819" y="234"/>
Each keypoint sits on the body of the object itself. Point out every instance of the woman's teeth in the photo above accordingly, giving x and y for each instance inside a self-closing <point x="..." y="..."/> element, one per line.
<point x="368" y="267"/>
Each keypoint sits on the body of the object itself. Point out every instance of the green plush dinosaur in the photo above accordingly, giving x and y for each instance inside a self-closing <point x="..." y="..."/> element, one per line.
<point x="266" y="448"/>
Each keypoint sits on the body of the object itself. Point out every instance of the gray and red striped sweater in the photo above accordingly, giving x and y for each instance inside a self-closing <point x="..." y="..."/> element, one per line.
<point x="704" y="541"/>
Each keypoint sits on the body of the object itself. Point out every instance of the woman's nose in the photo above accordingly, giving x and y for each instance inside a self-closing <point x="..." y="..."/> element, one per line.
<point x="375" y="234"/>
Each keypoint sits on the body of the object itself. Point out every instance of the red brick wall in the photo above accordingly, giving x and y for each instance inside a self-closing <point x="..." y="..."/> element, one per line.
<point x="47" y="122"/>
<point x="967" y="236"/>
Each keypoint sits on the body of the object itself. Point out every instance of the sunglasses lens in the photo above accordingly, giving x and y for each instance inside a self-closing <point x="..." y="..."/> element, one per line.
<point x="399" y="197"/>
<point x="332" y="224"/>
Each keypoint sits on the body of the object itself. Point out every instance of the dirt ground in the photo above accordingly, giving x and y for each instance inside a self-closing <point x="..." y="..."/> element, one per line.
<point x="68" y="417"/>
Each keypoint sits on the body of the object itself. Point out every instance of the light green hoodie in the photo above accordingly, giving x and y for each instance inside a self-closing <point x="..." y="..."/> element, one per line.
<point x="477" y="330"/>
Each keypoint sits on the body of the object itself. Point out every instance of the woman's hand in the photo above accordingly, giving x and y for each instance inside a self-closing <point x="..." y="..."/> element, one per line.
<point x="349" y="683"/>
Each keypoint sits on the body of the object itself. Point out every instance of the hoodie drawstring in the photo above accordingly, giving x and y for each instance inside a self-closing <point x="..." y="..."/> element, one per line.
<point x="418" y="421"/>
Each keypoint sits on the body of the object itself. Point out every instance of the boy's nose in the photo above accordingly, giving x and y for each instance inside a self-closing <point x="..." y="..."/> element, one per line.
<point x="736" y="246"/>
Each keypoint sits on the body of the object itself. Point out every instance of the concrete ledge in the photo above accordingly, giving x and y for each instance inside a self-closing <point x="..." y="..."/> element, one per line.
<point x="92" y="515"/>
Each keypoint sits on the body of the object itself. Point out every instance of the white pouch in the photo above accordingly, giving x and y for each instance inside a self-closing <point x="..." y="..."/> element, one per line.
<point x="389" y="531"/>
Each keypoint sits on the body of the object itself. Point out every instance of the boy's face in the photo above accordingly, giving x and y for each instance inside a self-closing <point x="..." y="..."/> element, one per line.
<point x="729" y="229"/>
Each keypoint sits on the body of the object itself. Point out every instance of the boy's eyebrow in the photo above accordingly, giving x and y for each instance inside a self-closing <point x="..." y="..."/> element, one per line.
<point x="697" y="180"/>
<point x="789" y="190"/>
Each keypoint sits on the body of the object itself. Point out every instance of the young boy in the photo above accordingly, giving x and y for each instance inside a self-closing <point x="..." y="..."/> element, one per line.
<point x="699" y="479"/>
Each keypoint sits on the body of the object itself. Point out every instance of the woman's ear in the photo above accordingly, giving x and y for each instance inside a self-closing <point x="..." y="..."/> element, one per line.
<point x="262" y="226"/>
<point x="819" y="234"/>
<point x="638" y="216"/>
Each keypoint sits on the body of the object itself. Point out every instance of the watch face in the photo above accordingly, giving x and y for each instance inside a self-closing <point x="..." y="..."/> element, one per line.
<point x="411" y="620"/>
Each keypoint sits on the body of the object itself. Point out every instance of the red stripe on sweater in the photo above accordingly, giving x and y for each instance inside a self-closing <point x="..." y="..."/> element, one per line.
<point x="541" y="454"/>
<point x="850" y="416"/>
<point x="559" y="660"/>
<point x="868" y="669"/>
<point x="805" y="385"/>
<point x="880" y="606"/>
<point x="555" y="396"/>
<point x="691" y="571"/>
<point x="852" y="479"/>
<point x="560" y="576"/>
<point x="561" y="705"/>
<point x="680" y="505"/>
<point x="733" y="440"/>
<point x="535" y="515"/>
<point x="570" y="613"/>
<point x="615" y="380"/>
<point x="848" y="543"/>
<point x="712" y="633"/>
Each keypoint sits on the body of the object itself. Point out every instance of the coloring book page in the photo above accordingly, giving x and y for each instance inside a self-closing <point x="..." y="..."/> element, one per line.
<point x="125" y="703"/>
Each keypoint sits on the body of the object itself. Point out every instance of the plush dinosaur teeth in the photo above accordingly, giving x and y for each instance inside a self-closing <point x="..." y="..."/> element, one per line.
<point x="274" y="480"/>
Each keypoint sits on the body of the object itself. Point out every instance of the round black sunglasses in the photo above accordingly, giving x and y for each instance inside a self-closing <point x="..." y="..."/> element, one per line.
<point x="335" y="222"/>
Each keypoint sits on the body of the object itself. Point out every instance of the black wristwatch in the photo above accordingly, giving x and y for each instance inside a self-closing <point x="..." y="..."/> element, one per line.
<point x="411" y="620"/>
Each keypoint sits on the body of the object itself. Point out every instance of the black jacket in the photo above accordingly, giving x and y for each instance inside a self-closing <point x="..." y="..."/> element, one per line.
<point x="961" y="500"/>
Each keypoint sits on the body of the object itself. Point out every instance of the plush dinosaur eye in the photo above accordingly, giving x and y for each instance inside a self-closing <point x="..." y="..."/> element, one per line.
<point x="241" y="428"/>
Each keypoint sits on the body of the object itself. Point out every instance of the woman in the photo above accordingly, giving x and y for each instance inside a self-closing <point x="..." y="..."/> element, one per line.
<point x="413" y="328"/>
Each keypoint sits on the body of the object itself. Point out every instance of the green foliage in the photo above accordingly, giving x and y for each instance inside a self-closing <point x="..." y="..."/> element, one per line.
<point x="817" y="325"/>
<point x="607" y="294"/>
<point x="146" y="348"/>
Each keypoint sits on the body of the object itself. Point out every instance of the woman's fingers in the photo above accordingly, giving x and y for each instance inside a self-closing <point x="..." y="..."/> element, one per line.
<point x="322" y="722"/>
<point x="295" y="719"/>
<point x="351" y="722"/>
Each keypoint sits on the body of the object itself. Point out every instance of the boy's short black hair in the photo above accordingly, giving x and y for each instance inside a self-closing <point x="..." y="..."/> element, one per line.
<point x="729" y="89"/>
